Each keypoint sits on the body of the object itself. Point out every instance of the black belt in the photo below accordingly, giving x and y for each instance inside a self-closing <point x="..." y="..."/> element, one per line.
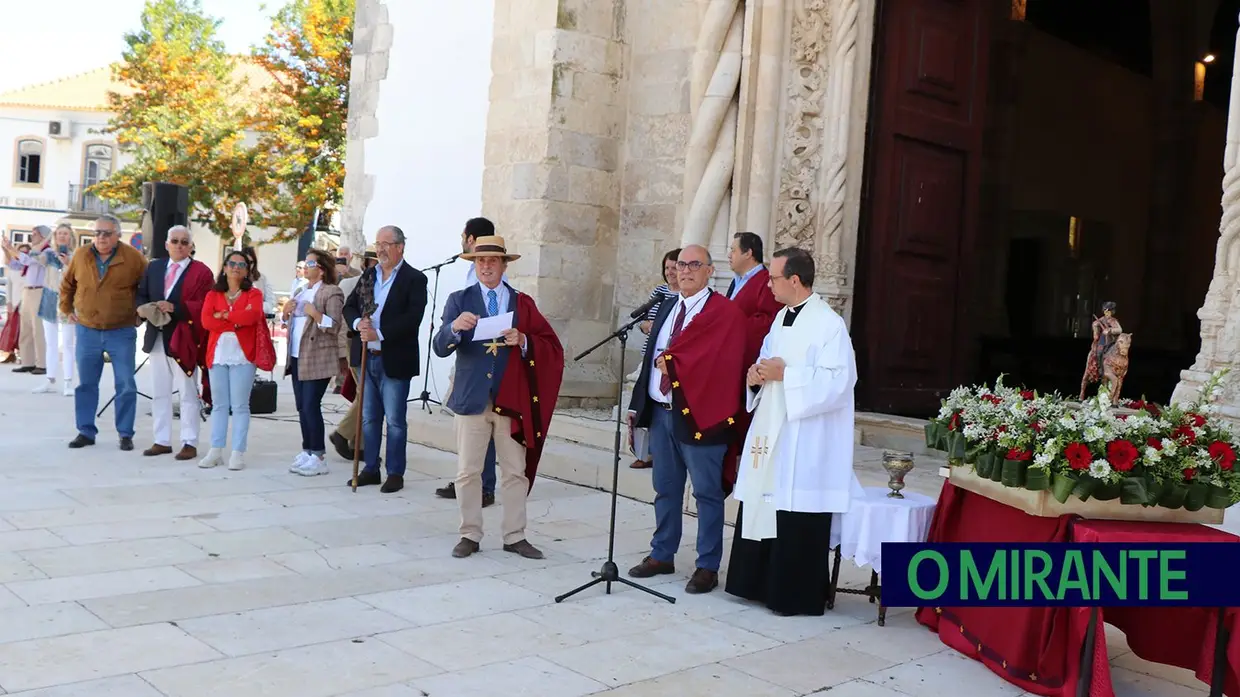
<point x="667" y="406"/>
<point x="374" y="352"/>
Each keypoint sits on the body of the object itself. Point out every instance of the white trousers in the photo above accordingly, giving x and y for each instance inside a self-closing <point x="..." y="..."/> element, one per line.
<point x="165" y="377"/>
<point x="61" y="350"/>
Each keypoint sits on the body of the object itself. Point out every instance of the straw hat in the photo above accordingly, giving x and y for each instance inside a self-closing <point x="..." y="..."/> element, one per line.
<point x="490" y="246"/>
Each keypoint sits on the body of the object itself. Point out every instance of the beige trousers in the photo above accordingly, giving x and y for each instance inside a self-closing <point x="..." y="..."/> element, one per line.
<point x="31" y="343"/>
<point x="348" y="425"/>
<point x="473" y="437"/>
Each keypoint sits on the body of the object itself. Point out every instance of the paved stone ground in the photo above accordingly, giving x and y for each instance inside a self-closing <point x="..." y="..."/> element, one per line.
<point x="122" y="576"/>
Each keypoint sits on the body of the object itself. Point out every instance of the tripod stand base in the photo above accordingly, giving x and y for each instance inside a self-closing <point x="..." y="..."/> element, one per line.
<point x="609" y="574"/>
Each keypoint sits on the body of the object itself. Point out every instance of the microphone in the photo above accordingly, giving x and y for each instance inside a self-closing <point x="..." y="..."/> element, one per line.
<point x="644" y="308"/>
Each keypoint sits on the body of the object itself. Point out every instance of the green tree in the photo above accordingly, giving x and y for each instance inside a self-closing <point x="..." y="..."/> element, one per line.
<point x="303" y="119"/>
<point x="185" y="116"/>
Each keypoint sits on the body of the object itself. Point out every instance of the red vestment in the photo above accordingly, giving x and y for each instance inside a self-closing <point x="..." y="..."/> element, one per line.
<point x="531" y="383"/>
<point x="759" y="306"/>
<point x="188" y="343"/>
<point x="706" y="363"/>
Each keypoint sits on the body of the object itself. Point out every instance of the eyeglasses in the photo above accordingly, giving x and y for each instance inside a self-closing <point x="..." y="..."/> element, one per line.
<point x="691" y="265"/>
<point x="311" y="264"/>
<point x="179" y="242"/>
<point x="104" y="233"/>
<point x="238" y="265"/>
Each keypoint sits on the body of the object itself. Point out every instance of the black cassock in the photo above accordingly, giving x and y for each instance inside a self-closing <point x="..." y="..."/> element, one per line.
<point x="790" y="573"/>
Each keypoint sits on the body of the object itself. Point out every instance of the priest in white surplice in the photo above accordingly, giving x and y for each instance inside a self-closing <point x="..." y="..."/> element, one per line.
<point x="796" y="467"/>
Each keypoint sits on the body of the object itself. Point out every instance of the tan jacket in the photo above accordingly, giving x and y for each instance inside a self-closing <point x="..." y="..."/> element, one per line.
<point x="109" y="302"/>
<point x="319" y="355"/>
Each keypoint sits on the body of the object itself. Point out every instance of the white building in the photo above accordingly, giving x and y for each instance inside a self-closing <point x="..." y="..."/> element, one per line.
<point x="52" y="148"/>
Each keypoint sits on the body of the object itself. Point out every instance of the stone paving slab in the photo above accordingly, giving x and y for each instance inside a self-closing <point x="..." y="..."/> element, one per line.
<point x="125" y="576"/>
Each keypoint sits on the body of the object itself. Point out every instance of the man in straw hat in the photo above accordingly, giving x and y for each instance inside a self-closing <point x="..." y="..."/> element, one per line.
<point x="506" y="389"/>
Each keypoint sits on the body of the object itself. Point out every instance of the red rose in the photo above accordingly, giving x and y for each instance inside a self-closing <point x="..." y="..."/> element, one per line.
<point x="1196" y="419"/>
<point x="1189" y="474"/>
<point x="1019" y="455"/>
<point x="1223" y="454"/>
<point x="992" y="399"/>
<point x="1122" y="455"/>
<point x="1078" y="456"/>
<point x="1185" y="435"/>
<point x="1026" y="395"/>
<point x="1123" y="417"/>
<point x="1154" y="442"/>
<point x="954" y="423"/>
<point x="1037" y="426"/>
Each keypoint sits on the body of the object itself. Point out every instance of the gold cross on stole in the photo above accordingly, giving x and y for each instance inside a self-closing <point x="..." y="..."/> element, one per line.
<point x="759" y="449"/>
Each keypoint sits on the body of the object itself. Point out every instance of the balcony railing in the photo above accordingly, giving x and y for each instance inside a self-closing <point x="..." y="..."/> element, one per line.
<point x="82" y="202"/>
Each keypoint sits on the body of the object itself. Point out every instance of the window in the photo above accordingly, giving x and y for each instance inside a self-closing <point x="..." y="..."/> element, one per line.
<point x="98" y="164"/>
<point x="29" y="161"/>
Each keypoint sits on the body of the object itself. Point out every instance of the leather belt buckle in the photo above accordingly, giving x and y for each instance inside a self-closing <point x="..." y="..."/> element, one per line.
<point x="374" y="352"/>
<point x="667" y="406"/>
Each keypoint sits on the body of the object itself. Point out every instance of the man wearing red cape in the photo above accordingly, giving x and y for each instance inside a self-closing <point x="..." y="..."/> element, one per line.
<point x="690" y="395"/>
<point x="176" y="286"/>
<point x="509" y="366"/>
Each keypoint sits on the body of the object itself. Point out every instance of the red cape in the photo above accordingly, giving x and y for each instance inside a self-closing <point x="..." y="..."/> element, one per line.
<point x="758" y="304"/>
<point x="706" y="363"/>
<point x="531" y="384"/>
<point x="188" y="343"/>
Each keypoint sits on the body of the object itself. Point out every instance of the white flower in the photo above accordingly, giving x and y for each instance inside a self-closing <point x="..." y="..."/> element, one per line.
<point x="1100" y="469"/>
<point x="1044" y="459"/>
<point x="1152" y="454"/>
<point x="1094" y="434"/>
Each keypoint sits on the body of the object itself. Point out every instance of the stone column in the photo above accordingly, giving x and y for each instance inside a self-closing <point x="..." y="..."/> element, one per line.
<point x="372" y="39"/>
<point x="1220" y="313"/>
<point x="551" y="181"/>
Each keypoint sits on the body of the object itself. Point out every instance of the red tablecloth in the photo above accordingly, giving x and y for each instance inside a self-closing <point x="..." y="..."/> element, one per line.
<point x="1039" y="649"/>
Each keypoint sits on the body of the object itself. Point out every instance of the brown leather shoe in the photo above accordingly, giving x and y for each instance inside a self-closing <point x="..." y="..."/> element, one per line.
<point x="188" y="452"/>
<point x="464" y="548"/>
<point x="157" y="449"/>
<point x="650" y="567"/>
<point x="525" y="549"/>
<point x="703" y="581"/>
<point x="641" y="465"/>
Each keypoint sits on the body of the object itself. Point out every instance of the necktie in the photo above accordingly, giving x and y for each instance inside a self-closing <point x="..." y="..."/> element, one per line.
<point x="169" y="279"/>
<point x="492" y="304"/>
<point x="665" y="382"/>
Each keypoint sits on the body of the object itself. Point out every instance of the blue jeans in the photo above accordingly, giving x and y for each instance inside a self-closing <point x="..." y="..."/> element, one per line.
<point x="121" y="345"/>
<point x="308" y="395"/>
<point x="488" y="470"/>
<point x="384" y="401"/>
<point x="675" y="461"/>
<point x="232" y="392"/>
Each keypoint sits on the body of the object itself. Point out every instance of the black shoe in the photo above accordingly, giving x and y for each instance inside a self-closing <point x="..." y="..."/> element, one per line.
<point x="341" y="444"/>
<point x="24" y="369"/>
<point x="126" y="444"/>
<point x="39" y="371"/>
<point x="81" y="442"/>
<point x="365" y="478"/>
<point x="488" y="499"/>
<point x="447" y="492"/>
<point x="394" y="483"/>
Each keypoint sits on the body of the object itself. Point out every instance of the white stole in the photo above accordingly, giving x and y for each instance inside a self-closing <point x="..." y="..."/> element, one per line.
<point x="756" y="488"/>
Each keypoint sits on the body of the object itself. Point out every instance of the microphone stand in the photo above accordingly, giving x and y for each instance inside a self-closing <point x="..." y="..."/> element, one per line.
<point x="610" y="573"/>
<point x="425" y="397"/>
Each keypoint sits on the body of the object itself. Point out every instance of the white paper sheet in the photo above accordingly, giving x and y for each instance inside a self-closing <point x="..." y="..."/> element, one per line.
<point x="490" y="328"/>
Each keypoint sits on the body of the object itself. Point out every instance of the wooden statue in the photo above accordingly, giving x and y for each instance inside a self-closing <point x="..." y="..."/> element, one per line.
<point x="1108" y="353"/>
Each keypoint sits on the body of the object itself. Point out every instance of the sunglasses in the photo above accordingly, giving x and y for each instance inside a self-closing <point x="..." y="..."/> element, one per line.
<point x="238" y="265"/>
<point x="311" y="264"/>
<point x="178" y="242"/>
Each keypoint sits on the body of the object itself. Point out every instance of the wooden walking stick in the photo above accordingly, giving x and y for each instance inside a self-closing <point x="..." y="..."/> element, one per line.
<point x="366" y="290"/>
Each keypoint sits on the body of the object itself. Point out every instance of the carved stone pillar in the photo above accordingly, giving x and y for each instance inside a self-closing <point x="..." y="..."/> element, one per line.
<point x="1220" y="313"/>
<point x="372" y="40"/>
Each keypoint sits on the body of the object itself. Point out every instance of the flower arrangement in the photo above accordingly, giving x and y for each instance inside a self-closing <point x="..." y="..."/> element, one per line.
<point x="1178" y="456"/>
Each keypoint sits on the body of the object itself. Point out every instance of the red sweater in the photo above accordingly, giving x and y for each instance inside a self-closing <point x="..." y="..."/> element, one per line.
<point x="243" y="319"/>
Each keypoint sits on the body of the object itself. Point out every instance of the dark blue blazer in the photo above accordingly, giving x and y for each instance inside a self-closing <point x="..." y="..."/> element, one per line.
<point x="478" y="373"/>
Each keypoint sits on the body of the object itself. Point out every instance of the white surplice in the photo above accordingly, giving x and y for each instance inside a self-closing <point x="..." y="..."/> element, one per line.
<point x="798" y="453"/>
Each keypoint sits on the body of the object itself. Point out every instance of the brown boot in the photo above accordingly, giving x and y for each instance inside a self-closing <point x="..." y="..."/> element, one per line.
<point x="650" y="567"/>
<point x="188" y="452"/>
<point x="157" y="449"/>
<point x="703" y="581"/>
<point x="525" y="549"/>
<point x="464" y="548"/>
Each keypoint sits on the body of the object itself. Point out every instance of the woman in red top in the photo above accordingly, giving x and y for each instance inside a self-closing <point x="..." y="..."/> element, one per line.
<point x="231" y="315"/>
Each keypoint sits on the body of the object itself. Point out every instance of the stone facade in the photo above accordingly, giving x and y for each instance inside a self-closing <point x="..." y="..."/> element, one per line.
<point x="372" y="38"/>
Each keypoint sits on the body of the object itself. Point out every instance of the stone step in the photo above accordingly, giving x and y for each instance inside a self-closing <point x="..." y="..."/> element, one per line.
<point x="894" y="433"/>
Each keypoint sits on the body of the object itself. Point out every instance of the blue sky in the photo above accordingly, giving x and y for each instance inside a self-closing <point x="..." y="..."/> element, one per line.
<point x="42" y="40"/>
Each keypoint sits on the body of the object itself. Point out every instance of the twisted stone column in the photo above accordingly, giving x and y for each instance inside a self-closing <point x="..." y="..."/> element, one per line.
<point x="1220" y="313"/>
<point x="711" y="156"/>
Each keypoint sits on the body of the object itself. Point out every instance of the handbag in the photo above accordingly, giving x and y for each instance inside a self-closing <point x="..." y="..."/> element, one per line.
<point x="264" y="349"/>
<point x="9" y="335"/>
<point x="263" y="396"/>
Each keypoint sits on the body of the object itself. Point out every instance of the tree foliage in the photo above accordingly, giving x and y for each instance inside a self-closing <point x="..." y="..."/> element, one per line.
<point x="183" y="121"/>
<point x="304" y="122"/>
<point x="186" y="117"/>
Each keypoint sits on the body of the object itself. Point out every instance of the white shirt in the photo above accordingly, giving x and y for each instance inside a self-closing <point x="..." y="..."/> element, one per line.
<point x="300" y="318"/>
<point x="501" y="302"/>
<point x="693" y="305"/>
<point x="180" y="267"/>
<point x="383" y="286"/>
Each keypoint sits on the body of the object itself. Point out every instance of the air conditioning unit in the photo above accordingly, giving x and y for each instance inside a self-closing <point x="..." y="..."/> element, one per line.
<point x="58" y="129"/>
